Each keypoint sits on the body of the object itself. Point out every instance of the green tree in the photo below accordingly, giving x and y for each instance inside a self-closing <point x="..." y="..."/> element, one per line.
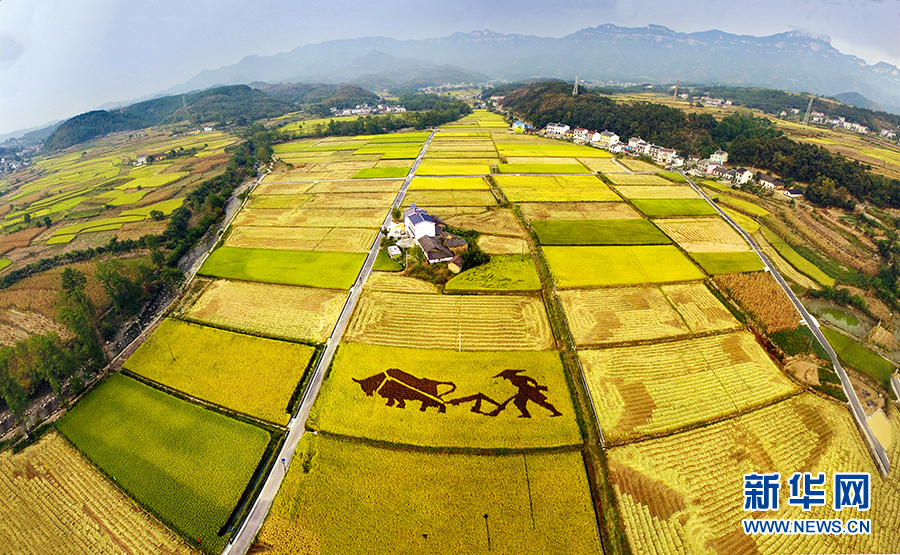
<point x="77" y="312"/>
<point x="26" y="218"/>
<point x="10" y="389"/>
<point x="126" y="295"/>
<point x="51" y="361"/>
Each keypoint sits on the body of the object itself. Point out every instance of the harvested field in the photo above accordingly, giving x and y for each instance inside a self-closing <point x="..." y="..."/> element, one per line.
<point x="382" y="281"/>
<point x="344" y="408"/>
<point x="652" y="389"/>
<point x="578" y="211"/>
<point x="448" y="183"/>
<point x="703" y="234"/>
<point x="17" y="325"/>
<point x="311" y="217"/>
<point x="472" y="323"/>
<point x="760" y="295"/>
<point x="501" y="244"/>
<point x="22" y="238"/>
<point x="246" y="374"/>
<point x="604" y="165"/>
<point x="580" y="267"/>
<point x="616" y="315"/>
<point x="599" y="232"/>
<point x="671" y="496"/>
<point x="656" y="191"/>
<point x="532" y="167"/>
<point x="500" y="221"/>
<point x="643" y="179"/>
<point x="353" y="186"/>
<point x="279" y="311"/>
<point x="381" y="172"/>
<point x="449" y="198"/>
<point x="636" y="165"/>
<point x="349" y="502"/>
<point x="728" y="262"/>
<point x="53" y="500"/>
<point x="325" y="200"/>
<point x="334" y="239"/>
<point x="533" y="188"/>
<point x="270" y="186"/>
<point x="335" y="270"/>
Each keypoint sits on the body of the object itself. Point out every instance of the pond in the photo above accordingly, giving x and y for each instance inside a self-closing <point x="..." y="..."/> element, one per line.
<point x="846" y="319"/>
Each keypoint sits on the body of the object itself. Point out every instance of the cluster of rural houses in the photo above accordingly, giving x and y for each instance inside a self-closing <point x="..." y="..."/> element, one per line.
<point x="421" y="228"/>
<point x="195" y="131"/>
<point x="365" y="110"/>
<point x="608" y="140"/>
<point x="819" y="117"/>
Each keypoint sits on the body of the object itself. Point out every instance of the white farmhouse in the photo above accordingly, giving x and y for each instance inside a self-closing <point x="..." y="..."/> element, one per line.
<point x="418" y="223"/>
<point x="556" y="129"/>
<point x="719" y="157"/>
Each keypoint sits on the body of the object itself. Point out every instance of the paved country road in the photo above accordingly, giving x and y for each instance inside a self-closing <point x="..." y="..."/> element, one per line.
<point x="242" y="541"/>
<point x="878" y="453"/>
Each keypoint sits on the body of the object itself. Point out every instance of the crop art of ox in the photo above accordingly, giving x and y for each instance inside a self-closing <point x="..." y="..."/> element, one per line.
<point x="398" y="387"/>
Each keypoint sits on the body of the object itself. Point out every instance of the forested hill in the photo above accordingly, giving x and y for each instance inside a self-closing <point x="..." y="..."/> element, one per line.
<point x="320" y="97"/>
<point x="235" y="104"/>
<point x="751" y="141"/>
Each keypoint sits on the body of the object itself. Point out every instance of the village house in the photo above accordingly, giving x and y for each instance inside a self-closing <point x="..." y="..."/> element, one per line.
<point x="743" y="175"/>
<point x="607" y="139"/>
<point x="793" y="193"/>
<point x="418" y="223"/>
<point x="556" y="129"/>
<point x="719" y="157"/>
<point x="141" y="160"/>
<point x="664" y="156"/>
<point x="887" y="134"/>
<point x="580" y="134"/>
<point x="434" y="251"/>
<point x="767" y="181"/>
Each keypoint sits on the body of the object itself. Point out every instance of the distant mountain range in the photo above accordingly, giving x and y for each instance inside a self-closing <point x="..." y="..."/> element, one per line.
<point x="792" y="61"/>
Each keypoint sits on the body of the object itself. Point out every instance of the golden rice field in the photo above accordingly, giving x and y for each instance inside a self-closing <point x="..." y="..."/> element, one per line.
<point x="271" y="186"/>
<point x="653" y="389"/>
<point x="311" y="217"/>
<point x="500" y="221"/>
<point x="656" y="191"/>
<point x="389" y="281"/>
<point x="578" y="211"/>
<point x="604" y="165"/>
<point x="546" y="160"/>
<point x="311" y="176"/>
<point x="52" y="500"/>
<point x="682" y="493"/>
<point x="449" y="198"/>
<point x="334" y="239"/>
<point x="636" y="165"/>
<point x="783" y="266"/>
<point x="600" y="266"/>
<point x="472" y="323"/>
<point x="350" y="186"/>
<point x="305" y="314"/>
<point x="350" y="498"/>
<point x="324" y="200"/>
<point x="617" y="315"/>
<point x="501" y="244"/>
<point x="640" y="179"/>
<point x="763" y="298"/>
<point x="345" y="408"/>
<point x="703" y="234"/>
<point x="445" y="183"/>
<point x="559" y="188"/>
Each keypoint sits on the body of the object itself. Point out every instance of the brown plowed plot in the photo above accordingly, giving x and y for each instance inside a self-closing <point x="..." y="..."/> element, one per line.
<point x="389" y="281"/>
<point x="52" y="500"/>
<point x="310" y="217"/>
<point x="601" y="316"/>
<point x="472" y="323"/>
<point x="682" y="493"/>
<point x="601" y="164"/>
<point x="638" y="179"/>
<point x="578" y="211"/>
<point x="325" y="200"/>
<point x="759" y="294"/>
<point x="652" y="389"/>
<point x="334" y="239"/>
<point x="703" y="234"/>
<point x="501" y="244"/>
<point x="353" y="186"/>
<point x="656" y="191"/>
<point x="280" y="311"/>
<point x="497" y="222"/>
<point x="449" y="198"/>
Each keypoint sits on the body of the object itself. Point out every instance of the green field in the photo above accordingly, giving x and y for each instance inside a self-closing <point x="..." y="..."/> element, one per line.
<point x="4" y="262"/>
<point x="747" y="224"/>
<point x="673" y="176"/>
<point x="578" y="267"/>
<point x="333" y="270"/>
<point x="748" y="207"/>
<point x="794" y="258"/>
<point x="599" y="232"/>
<point x="246" y="374"/>
<point x="503" y="273"/>
<point x="860" y="358"/>
<point x="448" y="183"/>
<point x="721" y="187"/>
<point x="188" y="465"/>
<point x="728" y="262"/>
<point x="371" y="173"/>
<point x="655" y="208"/>
<point x="542" y="168"/>
<point x="351" y="498"/>
<point x="344" y="408"/>
<point x="384" y="263"/>
<point x="166" y="207"/>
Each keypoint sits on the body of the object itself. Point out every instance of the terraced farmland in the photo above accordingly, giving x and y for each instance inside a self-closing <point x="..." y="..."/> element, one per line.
<point x="682" y="493"/>
<point x="353" y="498"/>
<point x="345" y="408"/>
<point x="246" y="374"/>
<point x="617" y="315"/>
<point x="480" y="323"/>
<point x="52" y="500"/>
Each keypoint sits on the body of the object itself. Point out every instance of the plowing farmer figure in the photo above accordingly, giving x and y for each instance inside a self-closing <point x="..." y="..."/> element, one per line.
<point x="529" y="390"/>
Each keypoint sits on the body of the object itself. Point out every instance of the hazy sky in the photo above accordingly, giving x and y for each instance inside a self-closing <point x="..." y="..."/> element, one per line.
<point x="59" y="58"/>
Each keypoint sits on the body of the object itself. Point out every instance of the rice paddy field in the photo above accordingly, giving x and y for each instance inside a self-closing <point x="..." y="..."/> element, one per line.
<point x="453" y="385"/>
<point x="703" y="234"/>
<point x="542" y="168"/>
<point x="728" y="262"/>
<point x="582" y="267"/>
<point x="501" y="244"/>
<point x="575" y="188"/>
<point x="250" y="375"/>
<point x="331" y="270"/>
<point x="311" y="217"/>
<point x="671" y="496"/>
<point x="355" y="498"/>
<point x="655" y="191"/>
<point x="627" y="314"/>
<point x="655" y="208"/>
<point x="599" y="232"/>
<point x="324" y="200"/>
<point x="471" y="323"/>
<point x="500" y="221"/>
<point x="503" y="273"/>
<point x="303" y="314"/>
<point x="763" y="298"/>
<point x="639" y="179"/>
<point x="333" y="239"/>
<point x="578" y="211"/>
<point x="453" y="198"/>
<point x="448" y="183"/>
<point x="52" y="500"/>
<point x="652" y="389"/>
<point x="190" y="468"/>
